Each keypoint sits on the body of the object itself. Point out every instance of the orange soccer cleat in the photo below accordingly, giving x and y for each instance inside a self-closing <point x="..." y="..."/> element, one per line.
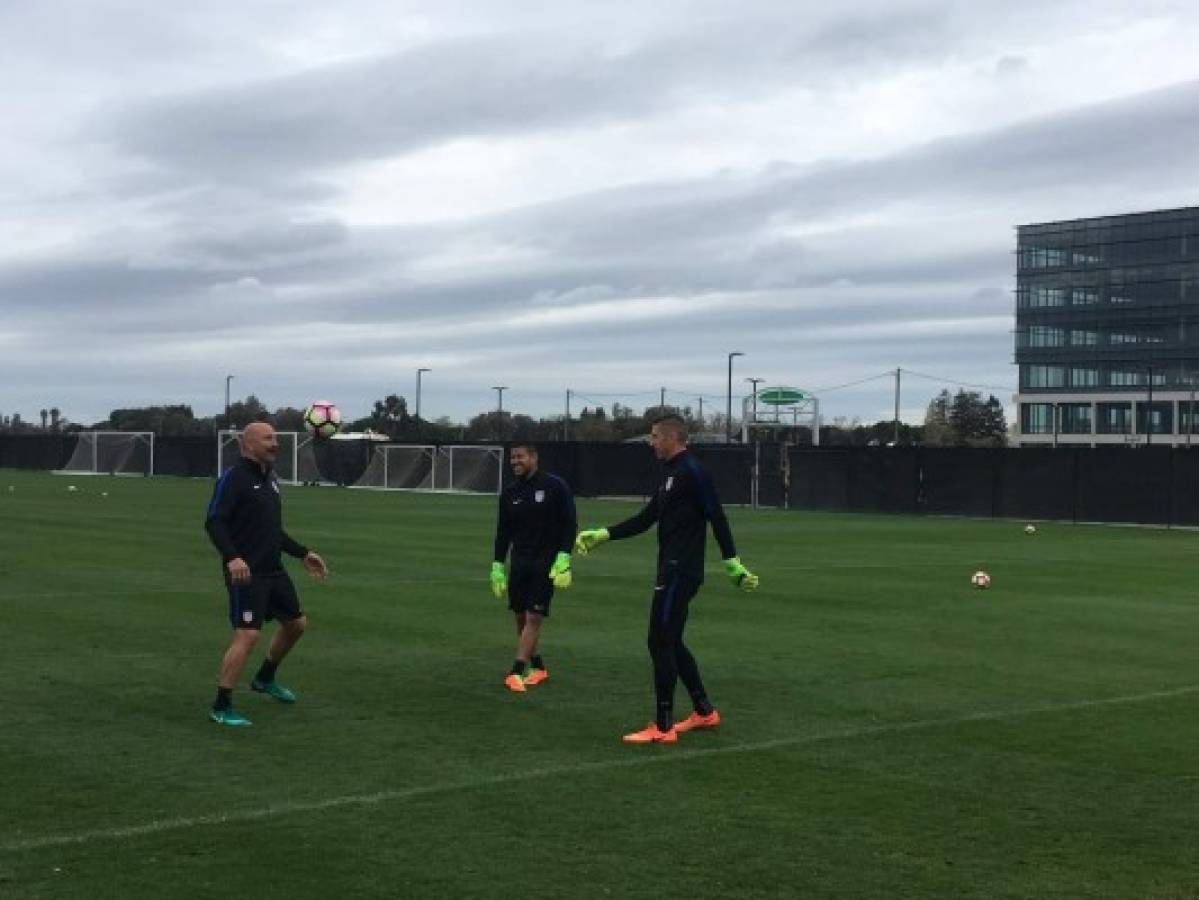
<point x="536" y="676"/>
<point x="514" y="683"/>
<point x="695" y="720"/>
<point x="652" y="734"/>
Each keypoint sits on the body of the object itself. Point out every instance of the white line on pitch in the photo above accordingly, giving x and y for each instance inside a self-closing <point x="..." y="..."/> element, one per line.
<point x="160" y="826"/>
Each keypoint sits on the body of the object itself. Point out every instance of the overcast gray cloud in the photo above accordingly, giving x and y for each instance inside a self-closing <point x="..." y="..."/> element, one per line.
<point x="570" y="195"/>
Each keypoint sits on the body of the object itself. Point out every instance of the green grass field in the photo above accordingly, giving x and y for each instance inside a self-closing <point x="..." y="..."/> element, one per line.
<point x="888" y="731"/>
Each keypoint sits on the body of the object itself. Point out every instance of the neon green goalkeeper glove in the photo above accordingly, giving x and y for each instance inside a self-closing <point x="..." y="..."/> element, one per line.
<point x="742" y="577"/>
<point x="589" y="539"/>
<point x="560" y="571"/>
<point x="499" y="580"/>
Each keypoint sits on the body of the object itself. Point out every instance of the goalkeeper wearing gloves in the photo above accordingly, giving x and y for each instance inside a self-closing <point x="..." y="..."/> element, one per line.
<point x="683" y="505"/>
<point x="537" y="521"/>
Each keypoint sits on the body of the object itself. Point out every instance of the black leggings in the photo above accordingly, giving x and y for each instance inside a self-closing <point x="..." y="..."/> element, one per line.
<point x="672" y="660"/>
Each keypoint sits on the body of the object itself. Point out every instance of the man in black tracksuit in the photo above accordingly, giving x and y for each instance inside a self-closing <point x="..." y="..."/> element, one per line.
<point x="537" y="521"/>
<point x="683" y="505"/>
<point x="245" y="524"/>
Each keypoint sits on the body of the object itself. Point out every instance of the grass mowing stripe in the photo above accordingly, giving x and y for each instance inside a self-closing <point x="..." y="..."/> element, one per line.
<point x="188" y="822"/>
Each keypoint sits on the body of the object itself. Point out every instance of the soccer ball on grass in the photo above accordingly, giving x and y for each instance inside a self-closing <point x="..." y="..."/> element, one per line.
<point x="322" y="419"/>
<point x="980" y="580"/>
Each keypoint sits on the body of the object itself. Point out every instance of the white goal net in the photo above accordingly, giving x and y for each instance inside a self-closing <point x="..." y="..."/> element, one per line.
<point x="112" y="453"/>
<point x="399" y="467"/>
<point x="294" y="464"/>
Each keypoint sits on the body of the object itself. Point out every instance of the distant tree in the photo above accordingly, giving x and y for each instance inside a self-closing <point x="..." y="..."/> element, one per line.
<point x="288" y="418"/>
<point x="937" y="431"/>
<point x="243" y="412"/>
<point x="389" y="416"/>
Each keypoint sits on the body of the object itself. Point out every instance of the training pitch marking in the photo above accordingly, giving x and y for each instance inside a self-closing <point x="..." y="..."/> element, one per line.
<point x="160" y="826"/>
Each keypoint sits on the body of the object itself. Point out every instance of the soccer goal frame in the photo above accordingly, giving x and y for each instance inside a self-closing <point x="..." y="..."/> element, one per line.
<point x="294" y="464"/>
<point x="452" y="469"/>
<point x="112" y="453"/>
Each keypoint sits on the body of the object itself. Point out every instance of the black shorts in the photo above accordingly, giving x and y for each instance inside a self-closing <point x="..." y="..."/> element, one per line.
<point x="266" y="597"/>
<point x="530" y="589"/>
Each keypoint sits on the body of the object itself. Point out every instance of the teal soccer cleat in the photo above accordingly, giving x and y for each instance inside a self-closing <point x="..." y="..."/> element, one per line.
<point x="229" y="717"/>
<point x="273" y="689"/>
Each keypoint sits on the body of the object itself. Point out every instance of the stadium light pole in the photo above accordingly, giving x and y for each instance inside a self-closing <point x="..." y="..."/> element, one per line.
<point x="728" y="421"/>
<point x="499" y="426"/>
<point x="755" y="382"/>
<point x="228" y="378"/>
<point x="419" y="372"/>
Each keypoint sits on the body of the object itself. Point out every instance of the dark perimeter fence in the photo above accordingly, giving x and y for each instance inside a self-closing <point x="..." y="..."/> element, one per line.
<point x="1148" y="485"/>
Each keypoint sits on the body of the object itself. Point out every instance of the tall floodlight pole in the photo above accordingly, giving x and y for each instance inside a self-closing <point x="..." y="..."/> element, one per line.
<point x="1149" y="407"/>
<point x="566" y="421"/>
<point x="728" y="421"/>
<point x="499" y="389"/>
<point x="228" y="378"/>
<point x="1191" y="411"/>
<point x="754" y="418"/>
<point x="898" y="371"/>
<point x="701" y="412"/>
<point x="662" y="401"/>
<point x="419" y="373"/>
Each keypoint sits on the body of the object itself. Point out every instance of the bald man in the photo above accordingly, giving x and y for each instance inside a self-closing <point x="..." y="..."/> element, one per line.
<point x="245" y="524"/>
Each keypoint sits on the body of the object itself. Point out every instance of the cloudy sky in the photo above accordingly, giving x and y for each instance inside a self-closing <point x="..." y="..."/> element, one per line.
<point x="601" y="196"/>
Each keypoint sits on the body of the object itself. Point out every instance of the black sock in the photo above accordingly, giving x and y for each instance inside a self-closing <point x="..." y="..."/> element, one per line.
<point x="224" y="698"/>
<point x="518" y="667"/>
<point x="266" y="672"/>
<point x="702" y="704"/>
<point x="537" y="663"/>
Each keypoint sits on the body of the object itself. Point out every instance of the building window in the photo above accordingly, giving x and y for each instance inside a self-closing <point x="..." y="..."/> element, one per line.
<point x="1081" y="377"/>
<point x="1121" y="337"/>
<point x="1045" y="297"/>
<point x="1120" y="299"/>
<point x="1084" y="338"/>
<point x="1126" y="378"/>
<point x="1046" y="376"/>
<point x="1036" y="418"/>
<point x="1075" y="418"/>
<point x="1046" y="336"/>
<point x="1114" y="418"/>
<point x="1084" y="297"/>
<point x="1158" y="420"/>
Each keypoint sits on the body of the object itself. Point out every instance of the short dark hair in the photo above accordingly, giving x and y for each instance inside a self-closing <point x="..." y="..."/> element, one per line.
<point x="528" y="445"/>
<point x="673" y="423"/>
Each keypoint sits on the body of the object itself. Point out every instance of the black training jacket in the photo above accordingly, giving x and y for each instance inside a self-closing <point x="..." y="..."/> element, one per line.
<point x="683" y="505"/>
<point x="245" y="518"/>
<point x="537" y="519"/>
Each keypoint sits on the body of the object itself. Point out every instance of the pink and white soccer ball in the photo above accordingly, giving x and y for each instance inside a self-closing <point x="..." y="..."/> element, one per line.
<point x="322" y="419"/>
<point x="980" y="580"/>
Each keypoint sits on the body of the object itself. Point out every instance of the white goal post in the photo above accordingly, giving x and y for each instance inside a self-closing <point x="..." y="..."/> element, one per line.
<point x="418" y="467"/>
<point x="295" y="463"/>
<point x="112" y="453"/>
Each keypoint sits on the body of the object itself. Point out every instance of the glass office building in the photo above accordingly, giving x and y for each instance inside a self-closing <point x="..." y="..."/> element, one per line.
<point x="1107" y="329"/>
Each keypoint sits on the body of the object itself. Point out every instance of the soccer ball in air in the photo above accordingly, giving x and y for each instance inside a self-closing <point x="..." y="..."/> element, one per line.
<point x="980" y="580"/>
<point x="322" y="419"/>
<point x="1030" y="529"/>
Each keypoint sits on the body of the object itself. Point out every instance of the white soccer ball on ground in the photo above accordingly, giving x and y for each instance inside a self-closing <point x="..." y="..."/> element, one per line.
<point x="322" y="419"/>
<point x="980" y="580"/>
<point x="71" y="487"/>
<point x="1030" y="528"/>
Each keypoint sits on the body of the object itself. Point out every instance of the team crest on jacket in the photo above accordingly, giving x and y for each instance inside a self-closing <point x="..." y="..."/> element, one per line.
<point x="539" y="497"/>
<point x="669" y="482"/>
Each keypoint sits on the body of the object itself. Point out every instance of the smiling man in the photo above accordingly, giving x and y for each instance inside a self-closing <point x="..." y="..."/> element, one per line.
<point x="537" y="522"/>
<point x="245" y="524"/>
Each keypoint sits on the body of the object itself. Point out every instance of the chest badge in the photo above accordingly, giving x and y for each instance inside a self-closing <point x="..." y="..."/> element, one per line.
<point x="539" y="497"/>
